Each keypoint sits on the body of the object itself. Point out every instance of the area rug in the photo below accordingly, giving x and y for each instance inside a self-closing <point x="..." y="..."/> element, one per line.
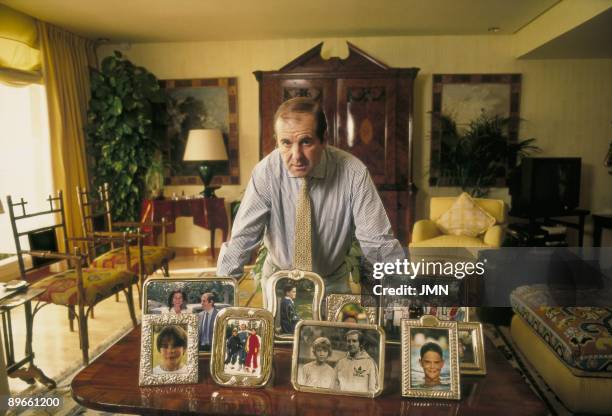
<point x="502" y="339"/>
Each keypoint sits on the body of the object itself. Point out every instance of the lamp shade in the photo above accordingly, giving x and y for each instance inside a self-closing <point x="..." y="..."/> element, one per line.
<point x="205" y="145"/>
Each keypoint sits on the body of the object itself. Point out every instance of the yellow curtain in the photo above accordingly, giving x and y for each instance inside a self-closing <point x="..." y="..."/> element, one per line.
<point x="65" y="63"/>
<point x="19" y="48"/>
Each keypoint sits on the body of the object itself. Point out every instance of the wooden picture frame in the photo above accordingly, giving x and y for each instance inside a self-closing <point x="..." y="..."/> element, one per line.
<point x="309" y="282"/>
<point x="229" y="367"/>
<point x="359" y="350"/>
<point x="168" y="332"/>
<point x="205" y="103"/>
<point x="471" y="348"/>
<point x="464" y="96"/>
<point x="429" y="346"/>
<point x="338" y="303"/>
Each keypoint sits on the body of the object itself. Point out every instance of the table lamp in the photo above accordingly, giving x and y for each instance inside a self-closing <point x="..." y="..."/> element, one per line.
<point x="205" y="145"/>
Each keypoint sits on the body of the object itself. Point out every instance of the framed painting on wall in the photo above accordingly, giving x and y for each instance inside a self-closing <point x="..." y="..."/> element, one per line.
<point x="462" y="99"/>
<point x="209" y="103"/>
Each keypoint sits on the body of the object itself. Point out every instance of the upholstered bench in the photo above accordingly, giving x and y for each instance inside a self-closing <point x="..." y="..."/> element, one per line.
<point x="571" y="348"/>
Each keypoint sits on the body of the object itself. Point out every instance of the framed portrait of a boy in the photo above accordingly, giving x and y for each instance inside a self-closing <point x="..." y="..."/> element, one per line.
<point x="348" y="308"/>
<point x="296" y="296"/>
<point x="430" y="360"/>
<point x="243" y="347"/>
<point x="338" y="358"/>
<point x="471" y="348"/>
<point x="169" y="350"/>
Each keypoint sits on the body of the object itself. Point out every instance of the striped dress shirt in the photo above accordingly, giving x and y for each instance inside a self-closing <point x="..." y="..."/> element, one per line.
<point x="344" y="198"/>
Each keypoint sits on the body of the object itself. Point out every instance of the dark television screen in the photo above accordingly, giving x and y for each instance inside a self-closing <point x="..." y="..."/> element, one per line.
<point x="546" y="186"/>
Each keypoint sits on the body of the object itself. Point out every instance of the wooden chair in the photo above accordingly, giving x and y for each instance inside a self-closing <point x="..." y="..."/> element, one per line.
<point x="145" y="259"/>
<point x="78" y="288"/>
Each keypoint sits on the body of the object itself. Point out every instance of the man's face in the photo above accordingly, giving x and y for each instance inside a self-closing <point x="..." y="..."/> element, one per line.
<point x="321" y="355"/>
<point x="170" y="354"/>
<point x="206" y="303"/>
<point x="352" y="344"/>
<point x="292" y="293"/>
<point x="432" y="365"/>
<point x="299" y="145"/>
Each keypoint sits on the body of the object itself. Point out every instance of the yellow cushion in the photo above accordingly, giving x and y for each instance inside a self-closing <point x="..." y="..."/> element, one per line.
<point x="154" y="256"/>
<point x="450" y="241"/>
<point x="465" y="218"/>
<point x="495" y="207"/>
<point x="99" y="284"/>
<point x="579" y="394"/>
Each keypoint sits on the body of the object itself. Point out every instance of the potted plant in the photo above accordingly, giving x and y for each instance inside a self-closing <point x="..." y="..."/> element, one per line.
<point x="125" y="131"/>
<point x="481" y="154"/>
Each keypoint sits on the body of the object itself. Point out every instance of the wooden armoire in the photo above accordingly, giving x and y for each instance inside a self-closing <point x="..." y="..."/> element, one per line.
<point x="368" y="106"/>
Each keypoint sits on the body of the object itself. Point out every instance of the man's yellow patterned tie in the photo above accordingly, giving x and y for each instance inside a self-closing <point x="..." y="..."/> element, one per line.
<point x="302" y="254"/>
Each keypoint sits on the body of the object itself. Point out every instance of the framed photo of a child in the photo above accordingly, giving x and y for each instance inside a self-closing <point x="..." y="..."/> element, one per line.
<point x="243" y="347"/>
<point x="169" y="349"/>
<point x="430" y="360"/>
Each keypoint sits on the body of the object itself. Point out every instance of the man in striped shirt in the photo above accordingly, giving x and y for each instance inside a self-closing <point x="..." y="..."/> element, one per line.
<point x="344" y="201"/>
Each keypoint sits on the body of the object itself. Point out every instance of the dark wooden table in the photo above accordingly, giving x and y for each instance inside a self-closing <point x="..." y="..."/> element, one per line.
<point x="111" y="384"/>
<point x="600" y="221"/>
<point x="207" y="213"/>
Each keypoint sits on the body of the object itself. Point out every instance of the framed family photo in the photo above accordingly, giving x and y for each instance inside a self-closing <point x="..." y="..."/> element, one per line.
<point x="296" y="296"/>
<point x="391" y="315"/>
<point x="430" y="360"/>
<point x="347" y="308"/>
<point x="338" y="358"/>
<point x="471" y="348"/>
<point x="447" y="313"/>
<point x="169" y="350"/>
<point x="243" y="347"/>
<point x="203" y="297"/>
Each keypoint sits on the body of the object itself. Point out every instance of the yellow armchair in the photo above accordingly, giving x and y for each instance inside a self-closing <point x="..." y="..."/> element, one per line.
<point x="427" y="234"/>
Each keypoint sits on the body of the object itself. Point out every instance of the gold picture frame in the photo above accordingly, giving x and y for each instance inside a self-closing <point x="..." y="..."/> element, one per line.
<point x="258" y="323"/>
<point x="365" y="380"/>
<point x="276" y="306"/>
<point x="428" y="344"/>
<point x="471" y="348"/>
<point x="336" y="304"/>
<point x="169" y="332"/>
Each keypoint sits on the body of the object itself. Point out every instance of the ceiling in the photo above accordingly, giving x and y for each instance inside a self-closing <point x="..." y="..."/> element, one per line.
<point x="139" y="21"/>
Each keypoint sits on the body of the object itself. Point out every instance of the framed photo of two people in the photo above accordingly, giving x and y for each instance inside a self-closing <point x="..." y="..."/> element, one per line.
<point x="203" y="297"/>
<point x="338" y="358"/>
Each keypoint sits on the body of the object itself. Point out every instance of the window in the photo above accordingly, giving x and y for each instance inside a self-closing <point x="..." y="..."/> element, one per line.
<point x="25" y="154"/>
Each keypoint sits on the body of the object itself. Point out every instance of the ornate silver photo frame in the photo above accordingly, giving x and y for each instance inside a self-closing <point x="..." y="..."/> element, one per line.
<point x="430" y="359"/>
<point x="471" y="348"/>
<point x="296" y="296"/>
<point x="348" y="309"/>
<point x="168" y="349"/>
<point x="203" y="297"/>
<point x="338" y="358"/>
<point x="243" y="347"/>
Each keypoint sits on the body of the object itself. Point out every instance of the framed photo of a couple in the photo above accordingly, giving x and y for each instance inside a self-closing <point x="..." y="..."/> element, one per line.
<point x="296" y="296"/>
<point x="169" y="350"/>
<point x="243" y="347"/>
<point x="203" y="297"/>
<point x="338" y="358"/>
<point x="430" y="361"/>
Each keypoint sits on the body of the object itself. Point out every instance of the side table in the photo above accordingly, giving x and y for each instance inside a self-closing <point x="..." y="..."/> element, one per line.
<point x="15" y="368"/>
<point x="600" y="221"/>
<point x="207" y="213"/>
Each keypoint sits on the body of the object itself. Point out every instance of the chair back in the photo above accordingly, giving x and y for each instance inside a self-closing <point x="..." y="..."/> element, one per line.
<point x="42" y="238"/>
<point x="95" y="217"/>
<point x="495" y="207"/>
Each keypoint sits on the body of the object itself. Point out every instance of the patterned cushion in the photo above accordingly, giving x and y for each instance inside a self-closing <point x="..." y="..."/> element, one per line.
<point x="465" y="217"/>
<point x="154" y="256"/>
<point x="99" y="284"/>
<point x="580" y="336"/>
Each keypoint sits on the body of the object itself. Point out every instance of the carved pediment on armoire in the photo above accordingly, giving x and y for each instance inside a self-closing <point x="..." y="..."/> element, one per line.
<point x="368" y="106"/>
